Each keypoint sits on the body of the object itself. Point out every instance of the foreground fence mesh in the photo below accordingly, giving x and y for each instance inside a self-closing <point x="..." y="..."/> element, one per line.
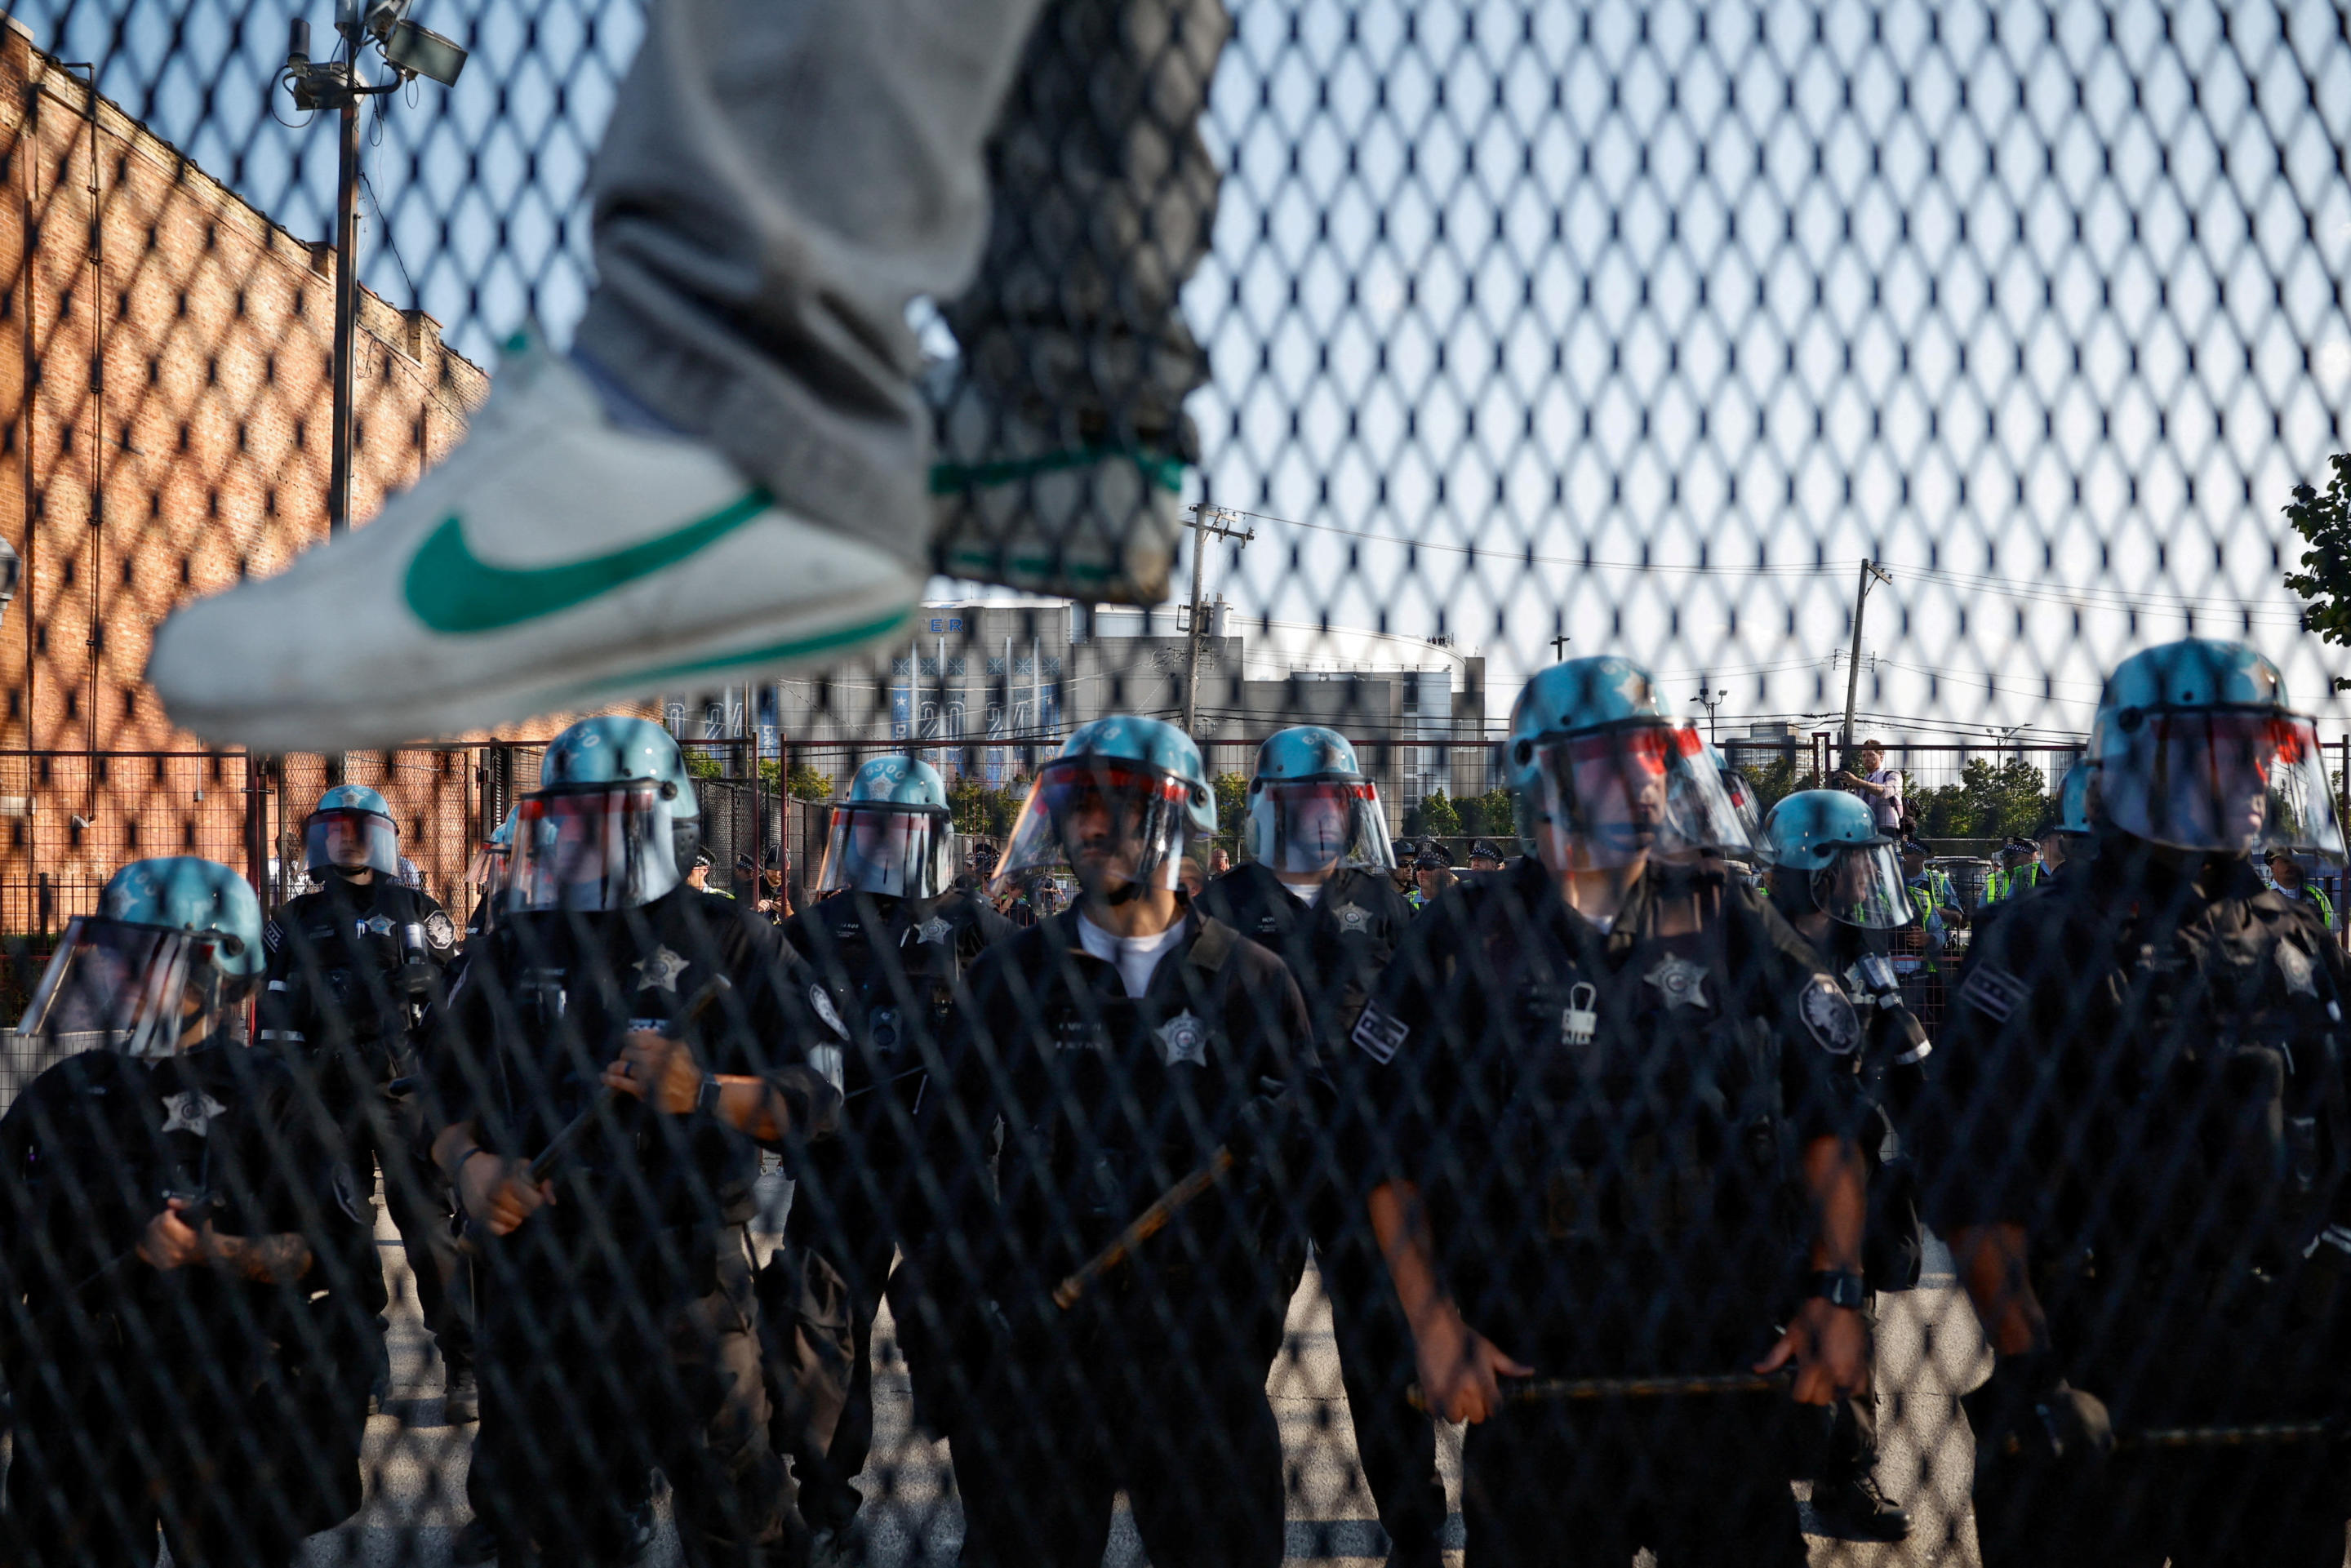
<point x="1784" y="1014"/>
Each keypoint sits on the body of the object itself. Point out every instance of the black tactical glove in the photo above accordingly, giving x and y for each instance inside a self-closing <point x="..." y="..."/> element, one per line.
<point x="2028" y="1412"/>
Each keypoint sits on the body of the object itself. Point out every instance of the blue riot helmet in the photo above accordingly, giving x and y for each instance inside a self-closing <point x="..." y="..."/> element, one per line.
<point x="2196" y="749"/>
<point x="175" y="943"/>
<point x="1309" y="807"/>
<point x="1741" y="790"/>
<point x="1118" y="805"/>
<point x="613" y="824"/>
<point x="350" y="830"/>
<point x="2074" y="798"/>
<point x="890" y="833"/>
<point x="1826" y="841"/>
<point x="1603" y="779"/>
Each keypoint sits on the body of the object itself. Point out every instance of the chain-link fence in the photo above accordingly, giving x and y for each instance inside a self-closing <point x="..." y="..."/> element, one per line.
<point x="742" y="446"/>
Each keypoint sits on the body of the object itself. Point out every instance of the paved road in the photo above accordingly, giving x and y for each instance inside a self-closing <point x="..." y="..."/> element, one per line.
<point x="1928" y="1350"/>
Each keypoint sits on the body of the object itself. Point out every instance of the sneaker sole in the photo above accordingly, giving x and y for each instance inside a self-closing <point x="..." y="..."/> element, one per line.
<point x="790" y="642"/>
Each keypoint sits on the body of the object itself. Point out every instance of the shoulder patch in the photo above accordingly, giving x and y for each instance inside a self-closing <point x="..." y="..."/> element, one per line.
<point x="272" y="936"/>
<point x="440" y="931"/>
<point x="1993" y="991"/>
<point x="1828" y="1013"/>
<point x="1380" y="1034"/>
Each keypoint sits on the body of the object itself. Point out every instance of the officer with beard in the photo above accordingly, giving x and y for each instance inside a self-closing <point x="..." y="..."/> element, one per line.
<point x="192" y="1279"/>
<point x="619" y="1328"/>
<point x="352" y="968"/>
<point x="1839" y="882"/>
<point x="1120" y="1047"/>
<point x="890" y="936"/>
<point x="1617" y="1109"/>
<point x="1317" y="889"/>
<point x="2137" y="1147"/>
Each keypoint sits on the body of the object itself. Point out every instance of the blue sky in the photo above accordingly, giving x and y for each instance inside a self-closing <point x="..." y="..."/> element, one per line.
<point x="2040" y="307"/>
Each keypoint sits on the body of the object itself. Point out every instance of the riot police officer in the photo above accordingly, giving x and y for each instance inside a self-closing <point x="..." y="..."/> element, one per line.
<point x="618" y="1325"/>
<point x="1121" y="1046"/>
<point x="2137" y="1149"/>
<point x="1316" y="888"/>
<point x="1837" y="880"/>
<point x="352" y="967"/>
<point x="890" y="936"/>
<point x="1604" y="1076"/>
<point x="192" y="1279"/>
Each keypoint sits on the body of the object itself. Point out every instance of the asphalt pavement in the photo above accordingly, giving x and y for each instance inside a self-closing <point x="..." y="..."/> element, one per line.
<point x="1929" y="1349"/>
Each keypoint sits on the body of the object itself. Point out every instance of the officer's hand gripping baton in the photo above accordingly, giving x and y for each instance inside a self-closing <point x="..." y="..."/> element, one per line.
<point x="549" y="1159"/>
<point x="552" y="1156"/>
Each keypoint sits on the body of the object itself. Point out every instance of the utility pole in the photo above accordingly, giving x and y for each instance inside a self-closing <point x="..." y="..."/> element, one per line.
<point x="338" y="84"/>
<point x="1559" y="648"/>
<point x="1224" y="525"/>
<point x="1712" y="700"/>
<point x="1869" y="570"/>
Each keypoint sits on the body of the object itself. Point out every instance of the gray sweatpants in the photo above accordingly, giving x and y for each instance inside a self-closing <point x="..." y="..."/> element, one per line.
<point x="782" y="177"/>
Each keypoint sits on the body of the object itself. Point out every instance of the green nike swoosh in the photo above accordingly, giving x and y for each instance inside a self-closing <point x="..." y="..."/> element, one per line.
<point x="452" y="590"/>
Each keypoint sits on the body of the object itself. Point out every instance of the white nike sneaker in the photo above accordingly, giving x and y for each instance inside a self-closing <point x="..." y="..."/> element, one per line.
<point x="1044" y="512"/>
<point x="555" y="561"/>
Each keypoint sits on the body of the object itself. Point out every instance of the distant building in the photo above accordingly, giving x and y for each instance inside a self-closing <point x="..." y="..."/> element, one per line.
<point x="991" y="685"/>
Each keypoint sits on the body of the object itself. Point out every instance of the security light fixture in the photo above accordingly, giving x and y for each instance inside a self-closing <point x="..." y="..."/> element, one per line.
<point x="419" y="51"/>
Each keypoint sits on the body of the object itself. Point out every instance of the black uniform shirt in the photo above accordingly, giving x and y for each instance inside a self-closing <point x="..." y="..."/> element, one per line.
<point x="893" y="967"/>
<point x="336" y="963"/>
<point x="1602" y="1122"/>
<point x="2148" y="1079"/>
<point x="541" y="1009"/>
<point x="93" y="1148"/>
<point x="1107" y="1100"/>
<point x="1335" y="947"/>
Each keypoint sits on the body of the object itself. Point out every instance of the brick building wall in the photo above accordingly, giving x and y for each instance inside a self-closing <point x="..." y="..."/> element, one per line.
<point x="166" y="365"/>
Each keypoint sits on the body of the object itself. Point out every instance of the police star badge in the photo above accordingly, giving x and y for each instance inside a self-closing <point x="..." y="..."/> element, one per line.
<point x="190" y="1111"/>
<point x="1829" y="1014"/>
<point x="2294" y="963"/>
<point x="935" y="929"/>
<point x="376" y="925"/>
<point x="1353" y="916"/>
<point x="661" y="970"/>
<point x="1682" y="983"/>
<point x="1184" y="1039"/>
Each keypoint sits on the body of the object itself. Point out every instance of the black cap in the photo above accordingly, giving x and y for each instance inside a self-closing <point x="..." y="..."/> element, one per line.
<point x="1913" y="847"/>
<point x="1432" y="858"/>
<point x="1484" y="850"/>
<point x="2277" y="853"/>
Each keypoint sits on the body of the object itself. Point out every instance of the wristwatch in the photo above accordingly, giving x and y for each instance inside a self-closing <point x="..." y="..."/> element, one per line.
<point x="706" y="1099"/>
<point x="1838" y="1288"/>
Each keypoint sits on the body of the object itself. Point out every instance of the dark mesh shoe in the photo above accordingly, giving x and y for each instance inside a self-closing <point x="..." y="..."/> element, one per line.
<point x="1858" y="1510"/>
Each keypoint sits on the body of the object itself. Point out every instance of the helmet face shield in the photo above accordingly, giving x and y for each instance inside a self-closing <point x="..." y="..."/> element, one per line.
<point x="902" y="851"/>
<point x="1740" y="792"/>
<point x="347" y="840"/>
<point x="2220" y="780"/>
<point x="1864" y="886"/>
<point x="593" y="846"/>
<point x="1616" y="795"/>
<point x="1318" y="825"/>
<point x="138" y="986"/>
<point x="1108" y="820"/>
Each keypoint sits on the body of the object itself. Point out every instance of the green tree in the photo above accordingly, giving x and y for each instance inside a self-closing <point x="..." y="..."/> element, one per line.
<point x="1439" y="816"/>
<point x="977" y="808"/>
<point x="1990" y="802"/>
<point x="1493" y="815"/>
<point x="805" y="783"/>
<point x="2324" y="523"/>
<point x="1775" y="781"/>
<point x="702" y="762"/>
<point x="1232" y="809"/>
